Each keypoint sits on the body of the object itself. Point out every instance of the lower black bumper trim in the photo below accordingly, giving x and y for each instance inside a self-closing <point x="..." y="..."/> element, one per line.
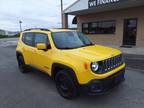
<point x="97" y="87"/>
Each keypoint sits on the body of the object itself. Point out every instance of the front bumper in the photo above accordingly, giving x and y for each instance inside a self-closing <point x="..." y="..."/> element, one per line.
<point x="103" y="85"/>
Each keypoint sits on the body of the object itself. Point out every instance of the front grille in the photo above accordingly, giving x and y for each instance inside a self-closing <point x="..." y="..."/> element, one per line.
<point x="110" y="64"/>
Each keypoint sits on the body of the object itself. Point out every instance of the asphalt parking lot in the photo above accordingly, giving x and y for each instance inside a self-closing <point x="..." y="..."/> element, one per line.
<point x="37" y="90"/>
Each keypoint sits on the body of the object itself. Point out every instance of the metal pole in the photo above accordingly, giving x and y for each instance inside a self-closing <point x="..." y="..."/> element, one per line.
<point x="61" y="6"/>
<point x="20" y="22"/>
<point x="62" y="13"/>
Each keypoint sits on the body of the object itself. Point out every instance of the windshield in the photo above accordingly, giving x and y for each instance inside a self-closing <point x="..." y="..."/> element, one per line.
<point x="70" y="40"/>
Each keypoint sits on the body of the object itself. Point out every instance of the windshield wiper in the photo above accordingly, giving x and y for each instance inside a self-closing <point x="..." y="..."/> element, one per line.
<point x="91" y="44"/>
<point x="67" y="48"/>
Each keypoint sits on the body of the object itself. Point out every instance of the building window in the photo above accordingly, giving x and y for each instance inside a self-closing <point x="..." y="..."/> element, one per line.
<point x="100" y="27"/>
<point x="85" y="28"/>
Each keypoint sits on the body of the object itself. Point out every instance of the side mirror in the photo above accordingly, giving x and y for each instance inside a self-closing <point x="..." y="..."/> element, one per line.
<point x="41" y="46"/>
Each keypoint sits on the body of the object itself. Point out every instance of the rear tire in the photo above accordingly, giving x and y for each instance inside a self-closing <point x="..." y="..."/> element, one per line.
<point x="21" y="63"/>
<point x="66" y="85"/>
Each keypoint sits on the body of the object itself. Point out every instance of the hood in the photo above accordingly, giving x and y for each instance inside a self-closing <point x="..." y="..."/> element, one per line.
<point x="93" y="53"/>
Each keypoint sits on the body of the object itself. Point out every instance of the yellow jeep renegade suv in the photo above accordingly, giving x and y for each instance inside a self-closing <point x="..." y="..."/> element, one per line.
<point x="71" y="59"/>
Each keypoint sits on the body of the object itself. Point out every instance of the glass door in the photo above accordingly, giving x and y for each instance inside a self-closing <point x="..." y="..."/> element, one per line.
<point x="130" y="32"/>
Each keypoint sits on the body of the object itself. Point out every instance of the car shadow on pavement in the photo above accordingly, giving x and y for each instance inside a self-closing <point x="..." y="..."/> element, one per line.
<point x="41" y="77"/>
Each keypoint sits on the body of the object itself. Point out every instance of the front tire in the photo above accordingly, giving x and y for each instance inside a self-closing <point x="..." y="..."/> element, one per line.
<point x="21" y="64"/>
<point x="66" y="85"/>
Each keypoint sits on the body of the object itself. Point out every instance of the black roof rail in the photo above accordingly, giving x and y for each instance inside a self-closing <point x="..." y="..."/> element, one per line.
<point x="37" y="29"/>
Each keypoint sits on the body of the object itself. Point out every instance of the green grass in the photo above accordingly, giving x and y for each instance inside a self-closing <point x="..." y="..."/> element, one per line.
<point x="6" y="36"/>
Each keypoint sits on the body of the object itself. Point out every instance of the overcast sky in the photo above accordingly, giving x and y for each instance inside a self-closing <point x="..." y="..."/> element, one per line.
<point x="33" y="13"/>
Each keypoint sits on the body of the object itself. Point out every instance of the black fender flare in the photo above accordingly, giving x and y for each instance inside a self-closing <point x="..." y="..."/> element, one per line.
<point x="18" y="54"/>
<point x="56" y="67"/>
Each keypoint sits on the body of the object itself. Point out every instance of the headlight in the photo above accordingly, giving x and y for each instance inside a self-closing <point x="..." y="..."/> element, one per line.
<point x="94" y="66"/>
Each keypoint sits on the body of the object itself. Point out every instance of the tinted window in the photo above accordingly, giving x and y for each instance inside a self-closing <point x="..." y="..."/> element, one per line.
<point x="41" y="38"/>
<point x="28" y="38"/>
<point x="100" y="27"/>
<point x="70" y="40"/>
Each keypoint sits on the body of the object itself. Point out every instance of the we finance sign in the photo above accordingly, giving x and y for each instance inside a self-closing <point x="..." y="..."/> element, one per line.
<point x="94" y="3"/>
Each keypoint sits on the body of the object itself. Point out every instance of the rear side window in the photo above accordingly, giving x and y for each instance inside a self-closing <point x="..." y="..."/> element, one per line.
<point x="41" y="38"/>
<point x="28" y="39"/>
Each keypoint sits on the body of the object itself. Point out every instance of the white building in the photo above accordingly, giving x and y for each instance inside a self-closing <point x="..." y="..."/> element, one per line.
<point x="109" y="22"/>
<point x="2" y="32"/>
<point x="8" y="33"/>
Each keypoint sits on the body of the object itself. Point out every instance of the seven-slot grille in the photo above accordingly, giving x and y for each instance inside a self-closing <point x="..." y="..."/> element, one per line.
<point x="110" y="64"/>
